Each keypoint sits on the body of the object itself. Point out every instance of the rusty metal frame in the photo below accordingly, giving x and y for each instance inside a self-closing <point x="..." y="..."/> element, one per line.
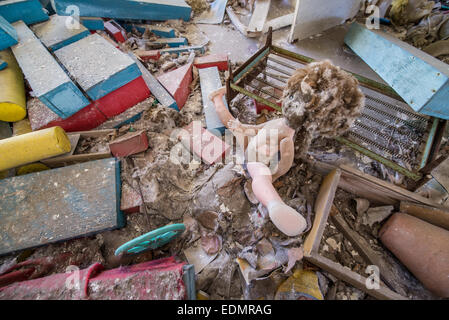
<point x="434" y="138"/>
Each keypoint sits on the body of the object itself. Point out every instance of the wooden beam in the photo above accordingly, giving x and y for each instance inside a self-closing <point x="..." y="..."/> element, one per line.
<point x="354" y="279"/>
<point x="323" y="205"/>
<point x="436" y="216"/>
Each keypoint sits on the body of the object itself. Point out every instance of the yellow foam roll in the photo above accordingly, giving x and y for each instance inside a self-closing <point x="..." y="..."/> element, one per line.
<point x="12" y="90"/>
<point x="33" y="146"/>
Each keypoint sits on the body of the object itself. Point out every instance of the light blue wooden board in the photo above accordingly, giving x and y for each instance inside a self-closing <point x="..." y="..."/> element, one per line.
<point x="128" y="9"/>
<point x="92" y="23"/>
<point x="198" y="49"/>
<point x="171" y="42"/>
<point x="29" y="11"/>
<point x="8" y="35"/>
<point x="420" y="79"/>
<point x="45" y="76"/>
<point x="215" y="14"/>
<point x="210" y="81"/>
<point x="59" y="204"/>
<point x="159" y="31"/>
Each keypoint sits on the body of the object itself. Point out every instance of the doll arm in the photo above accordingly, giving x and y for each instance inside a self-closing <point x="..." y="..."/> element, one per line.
<point x="226" y="117"/>
<point x="287" y="149"/>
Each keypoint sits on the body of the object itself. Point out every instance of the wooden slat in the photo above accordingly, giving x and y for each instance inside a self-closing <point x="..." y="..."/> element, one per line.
<point x="436" y="216"/>
<point x="323" y="205"/>
<point x="354" y="279"/>
<point x="59" y="204"/>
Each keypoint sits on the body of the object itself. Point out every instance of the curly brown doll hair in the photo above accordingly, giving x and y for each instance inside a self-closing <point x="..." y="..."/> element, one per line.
<point x="321" y="100"/>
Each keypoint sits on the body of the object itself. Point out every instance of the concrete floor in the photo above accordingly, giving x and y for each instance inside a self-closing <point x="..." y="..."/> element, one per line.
<point x="328" y="45"/>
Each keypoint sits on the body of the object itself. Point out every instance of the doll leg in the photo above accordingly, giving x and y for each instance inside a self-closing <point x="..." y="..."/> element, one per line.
<point x="285" y="218"/>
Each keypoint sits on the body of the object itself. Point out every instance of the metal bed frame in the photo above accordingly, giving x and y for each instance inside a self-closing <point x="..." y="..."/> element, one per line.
<point x="377" y="133"/>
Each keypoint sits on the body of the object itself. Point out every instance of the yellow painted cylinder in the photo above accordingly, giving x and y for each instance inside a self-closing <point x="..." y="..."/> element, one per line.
<point x="12" y="90"/>
<point x="33" y="146"/>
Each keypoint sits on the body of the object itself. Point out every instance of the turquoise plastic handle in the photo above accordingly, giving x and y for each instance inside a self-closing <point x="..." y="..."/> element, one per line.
<point x="152" y="240"/>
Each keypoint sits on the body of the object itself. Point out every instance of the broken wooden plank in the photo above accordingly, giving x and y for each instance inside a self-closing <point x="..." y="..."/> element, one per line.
<point x="115" y="30"/>
<point x="323" y="204"/>
<point x="60" y="204"/>
<point x="212" y="60"/>
<point x="8" y="35"/>
<point x="438" y="216"/>
<point x="128" y="9"/>
<point x="164" y="32"/>
<point x="57" y="92"/>
<point x="171" y="42"/>
<point x="398" y="63"/>
<point x="354" y="279"/>
<point x="239" y="25"/>
<point x="177" y="83"/>
<point x="259" y="15"/>
<point x="55" y="33"/>
<point x="366" y="252"/>
<point x="314" y="16"/>
<point x="129" y="144"/>
<point x="197" y="49"/>
<point x="366" y="186"/>
<point x="29" y="11"/>
<point x="215" y="14"/>
<point x="210" y="81"/>
<point x="279" y="23"/>
<point x="97" y="66"/>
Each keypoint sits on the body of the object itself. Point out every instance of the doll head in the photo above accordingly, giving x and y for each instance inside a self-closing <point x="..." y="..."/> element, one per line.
<point x="321" y="100"/>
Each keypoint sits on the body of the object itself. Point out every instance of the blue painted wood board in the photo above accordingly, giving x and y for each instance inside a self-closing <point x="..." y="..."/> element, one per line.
<point x="164" y="32"/>
<point x="8" y="35"/>
<point x="29" y="11"/>
<point x="210" y="81"/>
<point x="49" y="83"/>
<point x="92" y="23"/>
<point x="157" y="10"/>
<point x="197" y="49"/>
<point x="420" y="79"/>
<point x="3" y="64"/>
<point x="54" y="33"/>
<point x="97" y="66"/>
<point x="59" y="204"/>
<point x="171" y="42"/>
<point x="156" y="88"/>
<point x="215" y="14"/>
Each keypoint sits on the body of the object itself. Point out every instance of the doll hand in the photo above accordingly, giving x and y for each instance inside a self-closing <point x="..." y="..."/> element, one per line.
<point x="217" y="92"/>
<point x="234" y="125"/>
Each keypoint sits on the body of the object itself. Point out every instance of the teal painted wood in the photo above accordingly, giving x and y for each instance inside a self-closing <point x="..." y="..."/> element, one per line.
<point x="8" y="35"/>
<point x="256" y="60"/>
<point x="92" y="23"/>
<point x="171" y="42"/>
<point x="3" y="64"/>
<point x="159" y="31"/>
<point x="421" y="80"/>
<point x="197" y="49"/>
<point x="97" y="66"/>
<point x="59" y="204"/>
<point x="157" y="10"/>
<point x="29" y="11"/>
<point x="156" y="88"/>
<point x="55" y="34"/>
<point x="189" y="281"/>
<point x="57" y="91"/>
<point x="210" y="81"/>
